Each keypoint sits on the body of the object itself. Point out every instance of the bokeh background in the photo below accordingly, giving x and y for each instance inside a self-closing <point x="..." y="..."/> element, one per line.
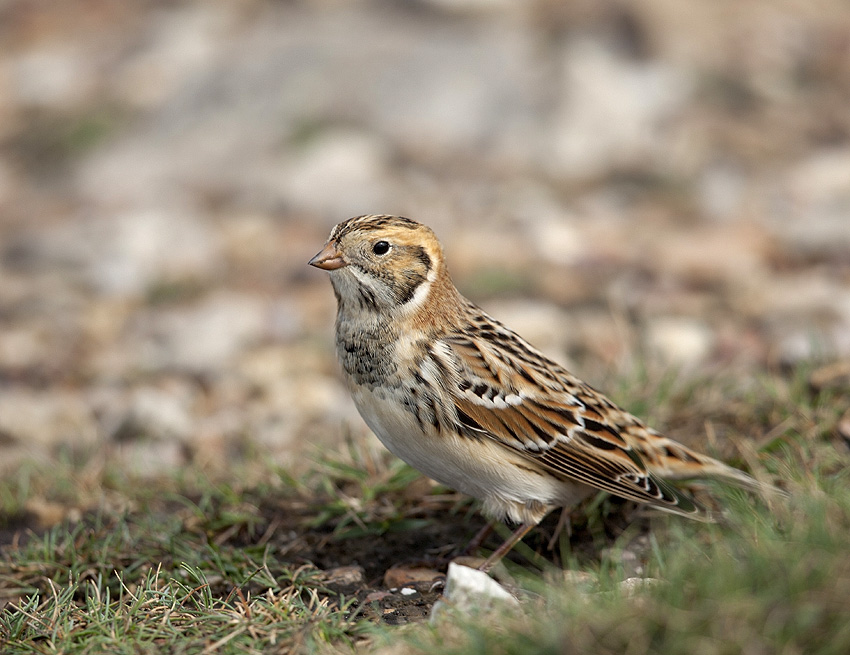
<point x="659" y="181"/>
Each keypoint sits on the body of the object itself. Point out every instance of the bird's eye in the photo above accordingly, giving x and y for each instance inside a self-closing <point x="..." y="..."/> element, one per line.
<point x="380" y="247"/>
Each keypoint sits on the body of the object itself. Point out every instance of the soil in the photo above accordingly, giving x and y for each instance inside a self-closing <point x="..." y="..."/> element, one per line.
<point x="356" y="566"/>
<point x="425" y="550"/>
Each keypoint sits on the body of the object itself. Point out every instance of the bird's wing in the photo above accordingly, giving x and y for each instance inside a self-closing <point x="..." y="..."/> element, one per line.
<point x="502" y="389"/>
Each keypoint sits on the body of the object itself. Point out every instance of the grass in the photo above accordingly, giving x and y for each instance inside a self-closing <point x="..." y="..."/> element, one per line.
<point x="174" y="613"/>
<point x="184" y="572"/>
<point x="192" y="565"/>
<point x="764" y="584"/>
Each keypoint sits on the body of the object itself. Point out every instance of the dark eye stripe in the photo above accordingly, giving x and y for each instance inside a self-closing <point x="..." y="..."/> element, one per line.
<point x="408" y="287"/>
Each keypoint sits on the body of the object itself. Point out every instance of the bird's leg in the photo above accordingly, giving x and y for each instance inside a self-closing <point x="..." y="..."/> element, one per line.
<point x="505" y="548"/>
<point x="563" y="524"/>
<point x="475" y="543"/>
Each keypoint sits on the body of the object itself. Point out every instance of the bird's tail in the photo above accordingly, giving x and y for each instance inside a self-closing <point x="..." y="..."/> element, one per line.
<point x="679" y="463"/>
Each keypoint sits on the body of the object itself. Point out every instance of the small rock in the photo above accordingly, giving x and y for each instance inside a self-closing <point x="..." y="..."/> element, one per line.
<point x="398" y="576"/>
<point x="46" y="418"/>
<point x="822" y="174"/>
<point x="48" y="513"/>
<point x="203" y="338"/>
<point x="339" y="173"/>
<point x="631" y="557"/>
<point x="721" y="191"/>
<point x="559" y="241"/>
<point x="817" y="200"/>
<point x="178" y="45"/>
<point x="794" y="347"/>
<point x="471" y="591"/>
<point x="678" y="340"/>
<point x="469" y="5"/>
<point x="626" y="558"/>
<point x="580" y="579"/>
<point x="127" y="253"/>
<point x="150" y="459"/>
<point x="631" y="587"/>
<point x="53" y="77"/>
<point x="20" y="348"/>
<point x="377" y="596"/>
<point x="139" y="248"/>
<point x="834" y="375"/>
<point x="344" y="575"/>
<point x="612" y="110"/>
<point x="155" y="414"/>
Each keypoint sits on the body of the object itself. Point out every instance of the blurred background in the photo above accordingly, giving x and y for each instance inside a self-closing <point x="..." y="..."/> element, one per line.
<point x="620" y="181"/>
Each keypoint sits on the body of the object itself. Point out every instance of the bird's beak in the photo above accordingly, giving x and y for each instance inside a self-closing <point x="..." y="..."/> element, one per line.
<point x="329" y="258"/>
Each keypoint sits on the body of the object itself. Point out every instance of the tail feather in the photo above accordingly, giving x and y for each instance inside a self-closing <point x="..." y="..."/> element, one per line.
<point x="712" y="469"/>
<point x="675" y="462"/>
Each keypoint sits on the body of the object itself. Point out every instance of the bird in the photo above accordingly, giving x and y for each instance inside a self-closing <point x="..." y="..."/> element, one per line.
<point x="472" y="405"/>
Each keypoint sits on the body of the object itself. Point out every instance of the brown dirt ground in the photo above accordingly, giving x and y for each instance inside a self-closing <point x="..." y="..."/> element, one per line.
<point x="283" y="525"/>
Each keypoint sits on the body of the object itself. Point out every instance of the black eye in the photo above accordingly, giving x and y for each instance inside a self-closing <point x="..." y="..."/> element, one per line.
<point x="380" y="247"/>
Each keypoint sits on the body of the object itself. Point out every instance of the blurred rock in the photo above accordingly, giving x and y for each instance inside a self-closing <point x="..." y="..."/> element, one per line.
<point x="157" y="415"/>
<point x="150" y="459"/>
<point x="582" y="580"/>
<point x="204" y="337"/>
<point x="399" y="576"/>
<point x="20" y="348"/>
<point x="631" y="587"/>
<point x="48" y="514"/>
<point x="631" y="558"/>
<point x="611" y="110"/>
<point x="338" y="173"/>
<point x="679" y="341"/>
<point x="251" y="239"/>
<point x="470" y="591"/>
<point x="794" y="344"/>
<point x="831" y="376"/>
<point x="58" y="77"/>
<point x="132" y="251"/>
<point x="123" y="254"/>
<point x="817" y="193"/>
<point x="807" y="317"/>
<point x="344" y="575"/>
<point x="176" y="46"/>
<point x="823" y="176"/>
<point x="560" y="242"/>
<point x="721" y="191"/>
<point x="46" y="418"/>
<point x="467" y="5"/>
<point x="149" y="430"/>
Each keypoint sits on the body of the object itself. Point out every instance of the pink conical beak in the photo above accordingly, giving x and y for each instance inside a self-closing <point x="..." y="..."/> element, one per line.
<point x="329" y="258"/>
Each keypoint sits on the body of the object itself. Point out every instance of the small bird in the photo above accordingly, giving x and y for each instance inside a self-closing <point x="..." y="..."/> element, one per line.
<point x="471" y="404"/>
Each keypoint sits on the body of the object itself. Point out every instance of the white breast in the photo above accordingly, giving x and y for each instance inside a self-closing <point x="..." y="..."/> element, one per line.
<point x="484" y="469"/>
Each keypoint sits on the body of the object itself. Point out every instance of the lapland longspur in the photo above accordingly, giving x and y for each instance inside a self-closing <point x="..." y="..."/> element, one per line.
<point x="471" y="404"/>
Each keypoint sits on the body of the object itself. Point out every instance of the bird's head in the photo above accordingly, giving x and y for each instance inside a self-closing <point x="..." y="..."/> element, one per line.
<point x="383" y="264"/>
